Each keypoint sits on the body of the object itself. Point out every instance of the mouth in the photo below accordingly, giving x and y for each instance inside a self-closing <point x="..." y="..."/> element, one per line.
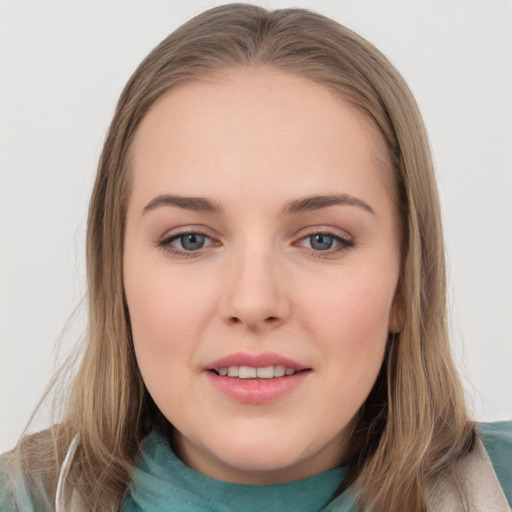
<point x="256" y="366"/>
<point x="261" y="378"/>
<point x="251" y="372"/>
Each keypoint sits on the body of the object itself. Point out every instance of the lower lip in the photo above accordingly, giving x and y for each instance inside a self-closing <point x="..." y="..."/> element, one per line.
<point x="256" y="391"/>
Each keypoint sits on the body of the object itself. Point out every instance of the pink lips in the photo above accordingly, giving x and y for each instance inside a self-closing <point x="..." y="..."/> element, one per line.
<point x="256" y="390"/>
<point x="256" y="361"/>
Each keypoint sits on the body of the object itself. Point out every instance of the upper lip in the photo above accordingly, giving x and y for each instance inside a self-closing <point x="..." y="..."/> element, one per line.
<point x="255" y="361"/>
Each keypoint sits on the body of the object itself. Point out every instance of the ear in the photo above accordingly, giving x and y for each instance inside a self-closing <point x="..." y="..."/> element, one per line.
<point x="397" y="313"/>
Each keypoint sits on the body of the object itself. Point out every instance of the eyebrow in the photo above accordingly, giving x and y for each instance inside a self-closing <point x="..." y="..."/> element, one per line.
<point x="195" y="204"/>
<point x="311" y="203"/>
<point x="293" y="207"/>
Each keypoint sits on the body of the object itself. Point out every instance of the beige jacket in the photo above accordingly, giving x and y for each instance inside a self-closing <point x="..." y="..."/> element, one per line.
<point x="481" y="485"/>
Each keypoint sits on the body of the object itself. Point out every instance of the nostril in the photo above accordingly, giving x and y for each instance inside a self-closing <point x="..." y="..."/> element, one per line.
<point x="254" y="323"/>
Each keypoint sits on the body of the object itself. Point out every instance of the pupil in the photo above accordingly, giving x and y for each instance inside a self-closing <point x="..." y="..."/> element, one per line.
<point x="192" y="242"/>
<point x="321" y="242"/>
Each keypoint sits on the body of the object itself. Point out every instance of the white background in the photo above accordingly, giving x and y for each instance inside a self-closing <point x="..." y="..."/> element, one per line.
<point x="63" y="65"/>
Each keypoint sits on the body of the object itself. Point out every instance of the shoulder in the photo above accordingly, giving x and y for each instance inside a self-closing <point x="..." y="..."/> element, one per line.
<point x="497" y="440"/>
<point x="6" y="497"/>
<point x="14" y="493"/>
<point x="481" y="479"/>
<point x="28" y="474"/>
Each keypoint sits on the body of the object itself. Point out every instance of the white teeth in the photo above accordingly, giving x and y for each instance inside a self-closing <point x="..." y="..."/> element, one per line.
<point x="233" y="371"/>
<point x="265" y="373"/>
<point x="249" y="372"/>
<point x="246" y="372"/>
<point x="279" y="371"/>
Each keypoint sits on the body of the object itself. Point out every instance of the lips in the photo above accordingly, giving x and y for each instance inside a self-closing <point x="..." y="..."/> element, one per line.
<point x="255" y="361"/>
<point x="260" y="378"/>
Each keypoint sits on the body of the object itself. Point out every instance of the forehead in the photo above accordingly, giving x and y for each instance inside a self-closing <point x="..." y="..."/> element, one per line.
<point x="253" y="127"/>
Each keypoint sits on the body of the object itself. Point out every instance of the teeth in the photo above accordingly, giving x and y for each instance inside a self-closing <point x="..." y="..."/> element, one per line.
<point x="248" y="372"/>
<point x="280" y="371"/>
<point x="265" y="373"/>
<point x="233" y="371"/>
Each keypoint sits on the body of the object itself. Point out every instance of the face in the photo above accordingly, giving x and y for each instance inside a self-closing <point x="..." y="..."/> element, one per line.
<point x="260" y="267"/>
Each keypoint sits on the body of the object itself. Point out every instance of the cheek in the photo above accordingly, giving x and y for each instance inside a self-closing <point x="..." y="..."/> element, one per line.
<point x="166" y="313"/>
<point x="164" y="306"/>
<point x="349" y="321"/>
<point x="350" y="309"/>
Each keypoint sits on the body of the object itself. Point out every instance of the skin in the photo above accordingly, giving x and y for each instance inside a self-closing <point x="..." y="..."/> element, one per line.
<point x="251" y="140"/>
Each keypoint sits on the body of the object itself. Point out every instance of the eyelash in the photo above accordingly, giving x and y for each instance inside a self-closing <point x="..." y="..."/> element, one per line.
<point x="165" y="244"/>
<point x="343" y="244"/>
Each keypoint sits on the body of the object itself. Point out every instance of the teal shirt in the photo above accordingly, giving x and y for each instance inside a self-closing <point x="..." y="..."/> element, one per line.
<point x="161" y="478"/>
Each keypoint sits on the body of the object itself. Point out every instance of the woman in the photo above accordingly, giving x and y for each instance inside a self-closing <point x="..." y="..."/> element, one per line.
<point x="266" y="284"/>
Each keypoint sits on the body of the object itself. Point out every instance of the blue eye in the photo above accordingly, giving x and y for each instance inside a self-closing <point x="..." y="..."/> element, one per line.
<point x="192" y="241"/>
<point x="188" y="244"/>
<point x="321" y="242"/>
<point x="326" y="244"/>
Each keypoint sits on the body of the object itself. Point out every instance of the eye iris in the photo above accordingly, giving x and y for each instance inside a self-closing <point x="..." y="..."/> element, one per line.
<point x="321" y="242"/>
<point x="192" y="242"/>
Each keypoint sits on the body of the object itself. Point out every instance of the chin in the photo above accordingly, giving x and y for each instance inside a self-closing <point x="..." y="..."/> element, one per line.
<point x="261" y="450"/>
<point x="260" y="461"/>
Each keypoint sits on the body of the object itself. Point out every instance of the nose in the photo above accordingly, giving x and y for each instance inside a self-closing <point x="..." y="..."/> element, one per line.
<point x="255" y="295"/>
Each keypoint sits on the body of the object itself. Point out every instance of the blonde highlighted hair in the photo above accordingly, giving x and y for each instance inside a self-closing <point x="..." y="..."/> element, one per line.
<point x="414" y="426"/>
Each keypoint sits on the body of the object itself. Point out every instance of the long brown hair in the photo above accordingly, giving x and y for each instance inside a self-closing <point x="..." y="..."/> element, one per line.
<point x="414" y="424"/>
